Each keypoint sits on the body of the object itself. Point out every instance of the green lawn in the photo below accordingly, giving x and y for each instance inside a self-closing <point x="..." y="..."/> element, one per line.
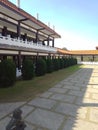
<point x="26" y="90"/>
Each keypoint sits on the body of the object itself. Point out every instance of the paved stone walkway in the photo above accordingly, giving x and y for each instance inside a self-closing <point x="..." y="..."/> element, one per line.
<point x="72" y="104"/>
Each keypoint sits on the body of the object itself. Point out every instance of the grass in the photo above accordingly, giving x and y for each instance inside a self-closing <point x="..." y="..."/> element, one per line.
<point x="26" y="90"/>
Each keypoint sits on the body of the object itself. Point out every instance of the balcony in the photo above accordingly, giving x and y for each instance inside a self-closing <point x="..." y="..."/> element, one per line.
<point x="17" y="43"/>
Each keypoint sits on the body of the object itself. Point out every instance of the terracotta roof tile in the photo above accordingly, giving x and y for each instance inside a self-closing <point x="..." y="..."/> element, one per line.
<point x="85" y="52"/>
<point x="78" y="52"/>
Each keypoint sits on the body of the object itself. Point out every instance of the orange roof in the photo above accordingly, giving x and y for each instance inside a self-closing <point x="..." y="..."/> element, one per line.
<point x="85" y="52"/>
<point x="62" y="51"/>
<point x="78" y="52"/>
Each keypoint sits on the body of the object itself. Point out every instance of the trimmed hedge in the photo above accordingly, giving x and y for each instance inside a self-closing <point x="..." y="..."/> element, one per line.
<point x="69" y="61"/>
<point x="40" y="67"/>
<point x="7" y="73"/>
<point x="27" y="69"/>
<point x="49" y="65"/>
<point x="56" y="64"/>
<point x="61" y="63"/>
<point x="8" y="68"/>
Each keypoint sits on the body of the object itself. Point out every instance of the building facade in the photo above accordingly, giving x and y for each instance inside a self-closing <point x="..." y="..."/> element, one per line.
<point x="22" y="35"/>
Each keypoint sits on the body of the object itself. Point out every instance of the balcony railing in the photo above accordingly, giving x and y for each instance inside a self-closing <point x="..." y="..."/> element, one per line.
<point x="26" y="44"/>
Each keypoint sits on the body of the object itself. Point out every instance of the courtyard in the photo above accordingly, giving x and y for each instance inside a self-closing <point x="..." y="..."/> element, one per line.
<point x="72" y="104"/>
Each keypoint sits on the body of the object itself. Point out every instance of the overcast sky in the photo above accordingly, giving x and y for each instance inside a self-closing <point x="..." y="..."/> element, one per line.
<point x="75" y="20"/>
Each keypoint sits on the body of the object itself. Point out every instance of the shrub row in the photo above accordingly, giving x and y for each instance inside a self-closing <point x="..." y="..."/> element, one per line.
<point x="7" y="73"/>
<point x="29" y="69"/>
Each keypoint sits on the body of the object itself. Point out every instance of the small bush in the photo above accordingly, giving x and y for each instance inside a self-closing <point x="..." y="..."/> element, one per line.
<point x="75" y="61"/>
<point x="56" y="64"/>
<point x="27" y="69"/>
<point x="40" y="67"/>
<point x="7" y="73"/>
<point x="70" y="61"/>
<point x="67" y="62"/>
<point x="49" y="65"/>
<point x="61" y="63"/>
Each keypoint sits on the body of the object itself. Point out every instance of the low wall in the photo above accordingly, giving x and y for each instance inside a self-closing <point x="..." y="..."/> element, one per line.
<point x="90" y="63"/>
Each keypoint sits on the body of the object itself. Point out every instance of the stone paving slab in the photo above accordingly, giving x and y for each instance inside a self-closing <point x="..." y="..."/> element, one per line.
<point x="86" y="102"/>
<point x="92" y="90"/>
<point x="29" y="127"/>
<point x="77" y="124"/>
<point x="46" y="94"/>
<point x="79" y="93"/>
<point x="95" y="86"/>
<point x="76" y="93"/>
<point x="59" y="85"/>
<point x="71" y="110"/>
<point x="58" y="90"/>
<point x="94" y="115"/>
<point x="63" y="98"/>
<point x="3" y="123"/>
<point x="42" y="102"/>
<point x="26" y="110"/>
<point x="46" y="119"/>
<point x="6" y="108"/>
<point x="72" y="87"/>
<point x="95" y="96"/>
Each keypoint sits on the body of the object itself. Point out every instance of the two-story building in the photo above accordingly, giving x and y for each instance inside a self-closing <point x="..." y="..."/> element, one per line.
<point x="23" y="35"/>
